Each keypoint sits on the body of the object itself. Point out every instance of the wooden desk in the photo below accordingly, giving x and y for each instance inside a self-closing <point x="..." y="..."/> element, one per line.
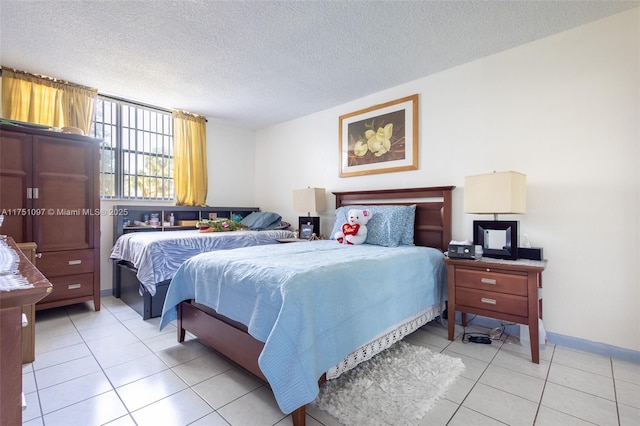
<point x="11" y="303"/>
<point x="506" y="290"/>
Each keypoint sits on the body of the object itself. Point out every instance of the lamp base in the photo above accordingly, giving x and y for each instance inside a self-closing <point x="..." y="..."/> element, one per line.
<point x="308" y="225"/>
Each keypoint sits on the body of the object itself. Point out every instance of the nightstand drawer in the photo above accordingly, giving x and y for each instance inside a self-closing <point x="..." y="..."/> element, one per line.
<point x="492" y="280"/>
<point x="492" y="301"/>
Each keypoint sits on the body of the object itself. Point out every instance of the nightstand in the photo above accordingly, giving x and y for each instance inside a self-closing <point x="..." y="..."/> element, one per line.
<point x="501" y="289"/>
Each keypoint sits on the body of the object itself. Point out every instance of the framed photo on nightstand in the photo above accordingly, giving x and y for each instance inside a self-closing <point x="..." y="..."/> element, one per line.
<point x="312" y="221"/>
<point x="306" y="231"/>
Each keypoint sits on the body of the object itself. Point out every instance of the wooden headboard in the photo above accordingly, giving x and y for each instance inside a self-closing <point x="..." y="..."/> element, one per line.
<point x="433" y="210"/>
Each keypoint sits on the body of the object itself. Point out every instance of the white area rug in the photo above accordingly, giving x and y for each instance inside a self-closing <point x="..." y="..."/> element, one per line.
<point x="396" y="387"/>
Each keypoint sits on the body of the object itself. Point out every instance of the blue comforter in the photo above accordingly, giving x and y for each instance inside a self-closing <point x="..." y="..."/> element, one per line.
<point x="311" y="303"/>
<point x="157" y="255"/>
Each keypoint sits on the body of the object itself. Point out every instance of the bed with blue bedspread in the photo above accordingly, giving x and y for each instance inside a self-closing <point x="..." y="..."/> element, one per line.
<point x="294" y="312"/>
<point x="310" y="303"/>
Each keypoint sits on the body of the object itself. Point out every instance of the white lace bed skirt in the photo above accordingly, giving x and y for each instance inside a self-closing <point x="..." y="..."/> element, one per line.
<point x="385" y="339"/>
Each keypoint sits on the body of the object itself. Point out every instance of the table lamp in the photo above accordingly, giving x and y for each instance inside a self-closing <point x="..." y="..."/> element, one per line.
<point x="496" y="193"/>
<point x="310" y="200"/>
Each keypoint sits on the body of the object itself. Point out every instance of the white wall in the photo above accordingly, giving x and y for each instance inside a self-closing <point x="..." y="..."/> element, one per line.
<point x="564" y="110"/>
<point x="230" y="163"/>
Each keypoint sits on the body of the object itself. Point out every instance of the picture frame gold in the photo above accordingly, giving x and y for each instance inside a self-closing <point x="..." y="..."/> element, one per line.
<point x="379" y="139"/>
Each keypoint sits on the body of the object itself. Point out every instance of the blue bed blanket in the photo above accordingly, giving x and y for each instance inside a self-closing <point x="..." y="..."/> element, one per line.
<point x="157" y="255"/>
<point x="311" y="303"/>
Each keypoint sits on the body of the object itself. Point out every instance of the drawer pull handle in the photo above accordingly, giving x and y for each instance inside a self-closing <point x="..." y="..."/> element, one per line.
<point x="74" y="286"/>
<point x="488" y="301"/>
<point x="75" y="262"/>
<point x="488" y="281"/>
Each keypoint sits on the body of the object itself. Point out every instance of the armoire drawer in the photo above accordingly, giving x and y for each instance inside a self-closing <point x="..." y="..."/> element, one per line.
<point x="492" y="280"/>
<point x="58" y="263"/>
<point x="70" y="286"/>
<point x="492" y="301"/>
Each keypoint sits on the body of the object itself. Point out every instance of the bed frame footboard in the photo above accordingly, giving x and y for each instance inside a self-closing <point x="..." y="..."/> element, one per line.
<point x="231" y="341"/>
<point x="229" y="338"/>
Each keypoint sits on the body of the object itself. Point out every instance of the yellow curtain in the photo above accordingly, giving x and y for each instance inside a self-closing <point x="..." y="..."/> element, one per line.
<point x="189" y="159"/>
<point x="47" y="101"/>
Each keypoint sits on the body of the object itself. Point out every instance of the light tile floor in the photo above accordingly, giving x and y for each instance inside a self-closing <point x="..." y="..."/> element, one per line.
<point x="111" y="367"/>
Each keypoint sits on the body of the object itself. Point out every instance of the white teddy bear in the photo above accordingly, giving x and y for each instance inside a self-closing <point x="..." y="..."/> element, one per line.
<point x="355" y="230"/>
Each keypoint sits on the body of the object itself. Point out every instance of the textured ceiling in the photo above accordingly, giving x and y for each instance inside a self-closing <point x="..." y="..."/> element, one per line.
<point x="257" y="63"/>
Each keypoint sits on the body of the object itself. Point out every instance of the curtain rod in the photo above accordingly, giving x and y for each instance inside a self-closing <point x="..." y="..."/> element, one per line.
<point x="129" y="101"/>
<point x="136" y="103"/>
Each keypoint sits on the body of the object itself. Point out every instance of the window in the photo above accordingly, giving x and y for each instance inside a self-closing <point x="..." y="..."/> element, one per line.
<point x="137" y="153"/>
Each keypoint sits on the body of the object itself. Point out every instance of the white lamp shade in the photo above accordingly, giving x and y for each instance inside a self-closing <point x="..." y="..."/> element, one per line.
<point x="309" y="200"/>
<point x="497" y="192"/>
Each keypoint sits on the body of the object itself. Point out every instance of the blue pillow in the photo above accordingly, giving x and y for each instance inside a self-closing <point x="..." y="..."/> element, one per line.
<point x="257" y="221"/>
<point x="250" y="219"/>
<point x="389" y="226"/>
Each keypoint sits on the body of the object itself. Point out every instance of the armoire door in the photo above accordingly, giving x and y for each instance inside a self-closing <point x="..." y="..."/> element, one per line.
<point x="64" y="174"/>
<point x="15" y="185"/>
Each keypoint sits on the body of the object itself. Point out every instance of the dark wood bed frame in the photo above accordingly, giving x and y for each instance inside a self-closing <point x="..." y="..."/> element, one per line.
<point x="230" y="338"/>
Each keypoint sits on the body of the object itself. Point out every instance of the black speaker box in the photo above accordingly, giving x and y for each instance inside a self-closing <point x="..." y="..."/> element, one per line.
<point x="531" y="253"/>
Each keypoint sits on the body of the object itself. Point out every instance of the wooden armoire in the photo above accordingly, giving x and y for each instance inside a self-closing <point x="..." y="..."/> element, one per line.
<point x="49" y="195"/>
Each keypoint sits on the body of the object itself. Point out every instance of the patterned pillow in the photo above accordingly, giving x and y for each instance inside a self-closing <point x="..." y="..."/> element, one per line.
<point x="389" y="226"/>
